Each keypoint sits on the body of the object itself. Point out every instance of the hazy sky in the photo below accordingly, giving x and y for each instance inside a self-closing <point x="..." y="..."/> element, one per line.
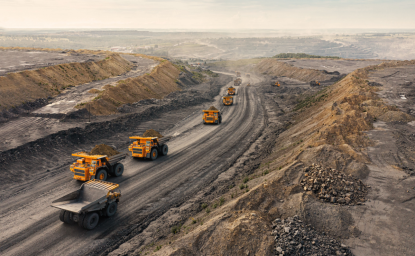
<point x="208" y="14"/>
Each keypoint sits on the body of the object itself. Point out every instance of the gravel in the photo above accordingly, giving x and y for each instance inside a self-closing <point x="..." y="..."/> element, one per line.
<point x="334" y="186"/>
<point x="293" y="237"/>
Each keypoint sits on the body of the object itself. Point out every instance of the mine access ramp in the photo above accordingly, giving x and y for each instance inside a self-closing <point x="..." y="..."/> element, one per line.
<point x="84" y="206"/>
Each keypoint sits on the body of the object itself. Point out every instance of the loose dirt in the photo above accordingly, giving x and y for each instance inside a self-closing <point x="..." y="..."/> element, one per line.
<point x="212" y="108"/>
<point x="152" y="133"/>
<point x="103" y="149"/>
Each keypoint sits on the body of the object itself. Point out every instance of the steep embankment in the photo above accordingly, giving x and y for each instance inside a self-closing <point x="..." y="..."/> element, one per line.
<point x="274" y="67"/>
<point x="31" y="85"/>
<point x="161" y="81"/>
<point x="328" y="133"/>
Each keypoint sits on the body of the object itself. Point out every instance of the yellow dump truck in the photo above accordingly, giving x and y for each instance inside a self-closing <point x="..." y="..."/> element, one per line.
<point x="314" y="83"/>
<point x="89" y="167"/>
<point x="227" y="100"/>
<point x="86" y="205"/>
<point x="276" y="84"/>
<point x="238" y="74"/>
<point x="148" y="147"/>
<point x="249" y="84"/>
<point x="212" y="117"/>
<point x="237" y="82"/>
<point x="231" y="91"/>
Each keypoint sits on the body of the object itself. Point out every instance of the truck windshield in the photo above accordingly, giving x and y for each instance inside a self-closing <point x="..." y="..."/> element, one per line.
<point x="148" y="143"/>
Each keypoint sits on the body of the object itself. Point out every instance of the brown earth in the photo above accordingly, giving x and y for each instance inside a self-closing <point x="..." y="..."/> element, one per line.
<point x="160" y="82"/>
<point x="212" y="108"/>
<point x="103" y="149"/>
<point x="152" y="133"/>
<point x="30" y="85"/>
<point x="274" y="67"/>
<point x="329" y="130"/>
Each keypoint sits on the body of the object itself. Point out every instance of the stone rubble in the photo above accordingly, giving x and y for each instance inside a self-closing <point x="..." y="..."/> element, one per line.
<point x="293" y="237"/>
<point x="333" y="186"/>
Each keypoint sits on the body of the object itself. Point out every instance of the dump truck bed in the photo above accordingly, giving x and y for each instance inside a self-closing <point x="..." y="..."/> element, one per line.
<point x="91" y="196"/>
<point x="114" y="159"/>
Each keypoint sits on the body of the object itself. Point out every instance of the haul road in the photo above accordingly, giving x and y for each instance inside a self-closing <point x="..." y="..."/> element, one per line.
<point x="197" y="155"/>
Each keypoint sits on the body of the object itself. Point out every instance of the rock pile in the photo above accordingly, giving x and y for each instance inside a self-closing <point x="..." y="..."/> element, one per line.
<point x="333" y="186"/>
<point x="293" y="237"/>
<point x="212" y="108"/>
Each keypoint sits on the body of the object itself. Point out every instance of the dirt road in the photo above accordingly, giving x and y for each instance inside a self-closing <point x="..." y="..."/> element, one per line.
<point x="197" y="155"/>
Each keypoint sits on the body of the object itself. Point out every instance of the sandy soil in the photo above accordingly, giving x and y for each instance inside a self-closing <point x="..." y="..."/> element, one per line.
<point x="14" y="61"/>
<point x="65" y="102"/>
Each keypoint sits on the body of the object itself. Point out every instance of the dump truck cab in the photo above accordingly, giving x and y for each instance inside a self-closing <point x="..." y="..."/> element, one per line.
<point x="227" y="100"/>
<point x="147" y="147"/>
<point x="212" y="117"/>
<point x="89" y="167"/>
<point x="231" y="91"/>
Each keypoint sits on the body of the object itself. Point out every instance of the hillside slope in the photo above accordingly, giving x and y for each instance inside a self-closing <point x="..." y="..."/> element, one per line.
<point x="274" y="67"/>
<point x="31" y="85"/>
<point x="328" y="135"/>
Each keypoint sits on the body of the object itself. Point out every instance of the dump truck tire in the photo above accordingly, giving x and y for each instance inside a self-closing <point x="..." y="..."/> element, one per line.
<point x="62" y="215"/>
<point x="91" y="220"/>
<point x="81" y="218"/>
<point x="164" y="150"/>
<point x="111" y="209"/>
<point x="101" y="175"/>
<point x="67" y="218"/>
<point x="118" y="170"/>
<point x="154" y="154"/>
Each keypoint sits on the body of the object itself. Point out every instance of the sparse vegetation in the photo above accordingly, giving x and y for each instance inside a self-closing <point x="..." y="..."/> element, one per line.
<point x="221" y="201"/>
<point x="310" y="100"/>
<point x="175" y="229"/>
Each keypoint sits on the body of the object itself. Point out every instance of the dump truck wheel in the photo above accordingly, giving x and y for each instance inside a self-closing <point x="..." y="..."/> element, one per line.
<point x="164" y="150"/>
<point x="101" y="175"/>
<point x="61" y="215"/>
<point x="118" y="170"/>
<point x="153" y="154"/>
<point x="81" y="218"/>
<point x="111" y="209"/>
<point x="67" y="218"/>
<point x="91" y="220"/>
